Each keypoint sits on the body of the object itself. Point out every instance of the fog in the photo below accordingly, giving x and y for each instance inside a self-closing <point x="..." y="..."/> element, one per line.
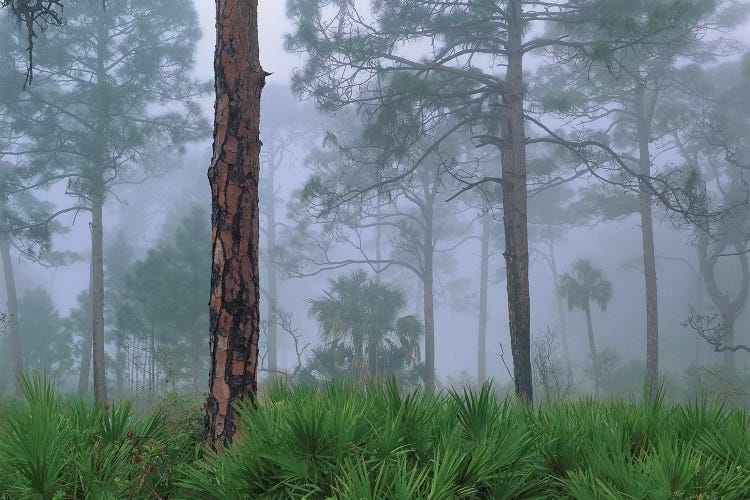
<point x="315" y="244"/>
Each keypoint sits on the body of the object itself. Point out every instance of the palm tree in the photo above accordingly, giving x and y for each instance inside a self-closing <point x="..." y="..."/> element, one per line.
<point x="363" y="313"/>
<point x="580" y="286"/>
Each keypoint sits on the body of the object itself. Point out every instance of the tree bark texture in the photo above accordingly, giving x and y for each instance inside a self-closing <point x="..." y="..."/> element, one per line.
<point x="97" y="301"/>
<point x="513" y="159"/>
<point x="644" y="118"/>
<point x="14" y="334"/>
<point x="234" y="314"/>
<point x="483" y="287"/>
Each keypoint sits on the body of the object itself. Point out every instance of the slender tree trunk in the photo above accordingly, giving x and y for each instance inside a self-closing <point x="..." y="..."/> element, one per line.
<point x="728" y="356"/>
<point x="483" y="287"/>
<point x="97" y="193"/>
<point x="560" y="304"/>
<point x="120" y="374"/>
<point x="195" y="366"/>
<point x="152" y="364"/>
<point x="429" y="301"/>
<point x="513" y="159"/>
<point x="88" y="334"/>
<point x="273" y="364"/>
<point x="13" y="332"/>
<point x="378" y="242"/>
<point x="131" y="367"/>
<point x="594" y="354"/>
<point x="234" y="173"/>
<point x="97" y="299"/>
<point x="647" y="235"/>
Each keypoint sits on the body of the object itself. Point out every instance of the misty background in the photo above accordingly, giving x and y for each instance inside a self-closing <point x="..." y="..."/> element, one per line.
<point x="142" y="215"/>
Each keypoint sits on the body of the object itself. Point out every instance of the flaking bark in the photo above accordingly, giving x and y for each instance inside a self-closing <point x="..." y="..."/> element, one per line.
<point x="234" y="316"/>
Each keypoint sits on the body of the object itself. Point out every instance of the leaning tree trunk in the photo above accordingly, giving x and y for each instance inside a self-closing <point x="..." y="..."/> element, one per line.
<point x="13" y="333"/>
<point x="483" y="287"/>
<point x="594" y="353"/>
<point x="647" y="236"/>
<point x="234" y="315"/>
<point x="513" y="159"/>
<point x="729" y="308"/>
<point x="97" y="300"/>
<point x="88" y="333"/>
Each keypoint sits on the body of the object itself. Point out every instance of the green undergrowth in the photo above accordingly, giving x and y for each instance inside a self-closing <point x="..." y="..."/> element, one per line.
<point x="56" y="448"/>
<point x="343" y="442"/>
<point x="380" y="442"/>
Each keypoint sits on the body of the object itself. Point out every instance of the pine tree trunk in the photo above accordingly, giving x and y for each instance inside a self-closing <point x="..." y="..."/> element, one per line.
<point x="483" y="288"/>
<point x="647" y="235"/>
<point x="429" y="302"/>
<point x="594" y="353"/>
<point x="88" y="333"/>
<point x="97" y="300"/>
<point x="13" y="332"/>
<point x="513" y="159"/>
<point x="234" y="315"/>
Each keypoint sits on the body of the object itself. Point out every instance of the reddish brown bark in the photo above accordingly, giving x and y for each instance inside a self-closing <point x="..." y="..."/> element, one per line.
<point x="233" y="175"/>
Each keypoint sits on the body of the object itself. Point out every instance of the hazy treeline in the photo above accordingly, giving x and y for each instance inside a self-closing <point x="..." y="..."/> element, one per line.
<point x="550" y="194"/>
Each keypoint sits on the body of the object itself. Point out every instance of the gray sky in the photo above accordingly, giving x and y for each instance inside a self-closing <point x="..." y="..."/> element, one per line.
<point x="272" y="26"/>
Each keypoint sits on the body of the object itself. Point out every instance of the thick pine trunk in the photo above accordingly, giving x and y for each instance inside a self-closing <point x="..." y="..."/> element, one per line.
<point x="513" y="159"/>
<point x="483" y="287"/>
<point x="234" y="173"/>
<point x="14" y="334"/>
<point x="594" y="353"/>
<point x="97" y="301"/>
<point x="647" y="236"/>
